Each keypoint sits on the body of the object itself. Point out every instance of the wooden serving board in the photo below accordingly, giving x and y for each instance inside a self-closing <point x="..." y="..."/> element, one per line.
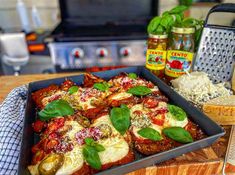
<point x="206" y="161"/>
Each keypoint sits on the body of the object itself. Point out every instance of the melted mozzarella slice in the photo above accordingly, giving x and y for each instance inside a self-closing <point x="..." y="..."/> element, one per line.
<point x="120" y="96"/>
<point x="161" y="105"/>
<point x="171" y="121"/>
<point x="105" y="120"/>
<point x="155" y="88"/>
<point x="115" y="149"/>
<point x="115" y="146"/>
<point x="47" y="100"/>
<point x="137" y="107"/>
<point x="73" y="161"/>
<point x="75" y="128"/>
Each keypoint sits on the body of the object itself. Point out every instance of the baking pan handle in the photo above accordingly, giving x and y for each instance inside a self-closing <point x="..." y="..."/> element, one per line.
<point x="225" y="7"/>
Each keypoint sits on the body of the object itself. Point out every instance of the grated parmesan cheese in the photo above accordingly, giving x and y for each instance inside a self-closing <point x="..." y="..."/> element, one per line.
<point x="198" y="88"/>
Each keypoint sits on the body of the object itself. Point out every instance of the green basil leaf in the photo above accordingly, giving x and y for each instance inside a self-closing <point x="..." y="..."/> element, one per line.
<point x="120" y="118"/>
<point x="150" y="133"/>
<point x="165" y="13"/>
<point x="99" y="148"/>
<point x="139" y="90"/>
<point x="73" y="89"/>
<point x="177" y="112"/>
<point x="153" y="24"/>
<point x="159" y="30"/>
<point x="91" y="156"/>
<point x="178" y="18"/>
<point x="101" y="86"/>
<point x="189" y="22"/>
<point x="132" y="75"/>
<point x="178" y="134"/>
<point x="89" y="141"/>
<point x="167" y="22"/>
<point x="178" y="9"/>
<point x="124" y="106"/>
<point x="56" y="108"/>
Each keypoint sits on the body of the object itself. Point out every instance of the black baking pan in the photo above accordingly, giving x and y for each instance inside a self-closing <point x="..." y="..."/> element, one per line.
<point x="210" y="128"/>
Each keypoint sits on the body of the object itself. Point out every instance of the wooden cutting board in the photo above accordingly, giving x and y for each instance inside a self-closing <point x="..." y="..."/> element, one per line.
<point x="206" y="161"/>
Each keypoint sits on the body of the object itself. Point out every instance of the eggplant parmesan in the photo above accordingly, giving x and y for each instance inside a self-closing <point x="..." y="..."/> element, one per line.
<point x="88" y="128"/>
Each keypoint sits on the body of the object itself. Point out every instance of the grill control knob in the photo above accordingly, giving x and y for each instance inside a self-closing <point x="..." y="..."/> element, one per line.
<point x="125" y="51"/>
<point x="102" y="52"/>
<point x="77" y="53"/>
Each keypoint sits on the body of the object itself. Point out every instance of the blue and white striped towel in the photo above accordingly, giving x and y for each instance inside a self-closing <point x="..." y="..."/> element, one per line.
<point x="11" y="124"/>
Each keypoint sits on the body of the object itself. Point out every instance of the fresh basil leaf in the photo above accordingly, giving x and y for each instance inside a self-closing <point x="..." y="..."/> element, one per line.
<point x="178" y="9"/>
<point x="89" y="141"/>
<point x="165" y="13"/>
<point x="139" y="90"/>
<point x="120" y="118"/>
<point x="132" y="75"/>
<point x="178" y="18"/>
<point x="189" y="22"/>
<point x="73" y="89"/>
<point x="167" y="22"/>
<point x="56" y="108"/>
<point x="178" y="134"/>
<point x="153" y="24"/>
<point x="177" y="112"/>
<point x="99" y="148"/>
<point x="101" y="86"/>
<point x="124" y="106"/>
<point x="91" y="156"/>
<point x="159" y="30"/>
<point x="150" y="133"/>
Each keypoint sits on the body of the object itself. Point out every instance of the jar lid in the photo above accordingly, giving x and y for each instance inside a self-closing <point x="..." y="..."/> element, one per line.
<point x="183" y="30"/>
<point x="163" y="36"/>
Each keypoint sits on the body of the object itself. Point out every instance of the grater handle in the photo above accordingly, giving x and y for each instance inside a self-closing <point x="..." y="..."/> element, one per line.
<point x="225" y="7"/>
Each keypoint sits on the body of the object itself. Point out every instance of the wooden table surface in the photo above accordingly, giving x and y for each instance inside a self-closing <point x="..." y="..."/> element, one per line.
<point x="206" y="161"/>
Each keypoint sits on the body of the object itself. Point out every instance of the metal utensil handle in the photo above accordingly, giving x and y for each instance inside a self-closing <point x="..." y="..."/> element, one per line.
<point x="225" y="7"/>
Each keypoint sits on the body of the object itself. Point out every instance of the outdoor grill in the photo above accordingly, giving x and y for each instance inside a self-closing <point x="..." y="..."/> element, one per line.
<point x="99" y="33"/>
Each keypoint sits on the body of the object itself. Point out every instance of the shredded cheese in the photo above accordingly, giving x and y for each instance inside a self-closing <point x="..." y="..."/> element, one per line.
<point x="198" y="88"/>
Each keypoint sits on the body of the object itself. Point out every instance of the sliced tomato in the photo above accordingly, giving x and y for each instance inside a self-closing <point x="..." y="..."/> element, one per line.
<point x="36" y="147"/>
<point x="138" y="113"/>
<point x="42" y="93"/>
<point x="127" y="85"/>
<point x="130" y="100"/>
<point x="51" y="144"/>
<point x="150" y="102"/>
<point x="38" y="125"/>
<point x="67" y="84"/>
<point x="54" y="97"/>
<point x="93" y="112"/>
<point x="159" y="119"/>
<point x="54" y="125"/>
<point x="53" y="135"/>
<point x="38" y="156"/>
<point x="150" y="85"/>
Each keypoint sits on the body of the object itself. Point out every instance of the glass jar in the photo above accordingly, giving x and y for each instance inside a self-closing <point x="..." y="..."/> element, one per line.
<point x="180" y="52"/>
<point x="156" y="54"/>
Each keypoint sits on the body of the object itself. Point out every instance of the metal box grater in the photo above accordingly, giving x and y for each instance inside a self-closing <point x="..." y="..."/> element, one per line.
<point x="216" y="52"/>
